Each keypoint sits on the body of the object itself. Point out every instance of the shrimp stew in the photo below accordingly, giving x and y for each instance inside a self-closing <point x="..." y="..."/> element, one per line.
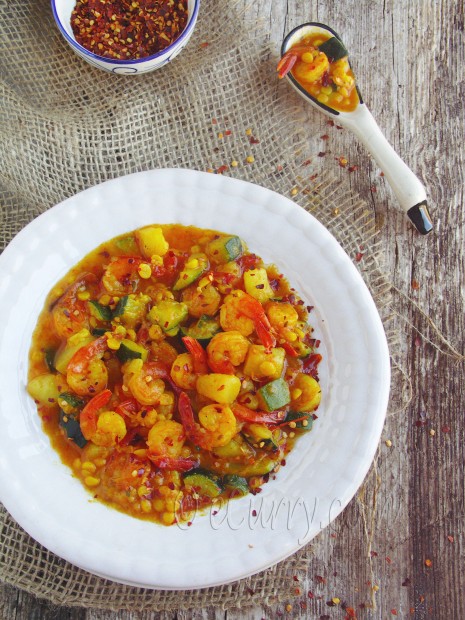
<point x="320" y="64"/>
<point x="173" y="370"/>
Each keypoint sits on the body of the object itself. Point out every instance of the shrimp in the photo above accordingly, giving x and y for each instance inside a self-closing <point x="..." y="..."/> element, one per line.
<point x="226" y="350"/>
<point x="312" y="66"/>
<point x="217" y="424"/>
<point x="305" y="393"/>
<point x="183" y="372"/>
<point x="201" y="300"/>
<point x="290" y="58"/>
<point x="145" y="381"/>
<point x="106" y="429"/>
<point x="199" y="357"/>
<point x="121" y="276"/>
<point x="166" y="438"/>
<point x="283" y="317"/>
<point x="241" y="312"/>
<point x="86" y="373"/>
<point x="70" y="314"/>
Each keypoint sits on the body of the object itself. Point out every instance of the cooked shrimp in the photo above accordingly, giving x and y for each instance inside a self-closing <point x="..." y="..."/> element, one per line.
<point x="217" y="424"/>
<point x="283" y="318"/>
<point x="241" y="312"/>
<point x="70" y="314"/>
<point x="314" y="64"/>
<point x="86" y="373"/>
<point x="227" y="350"/>
<point x="166" y="438"/>
<point x="121" y="276"/>
<point x="145" y="381"/>
<point x="106" y="429"/>
<point x="183" y="372"/>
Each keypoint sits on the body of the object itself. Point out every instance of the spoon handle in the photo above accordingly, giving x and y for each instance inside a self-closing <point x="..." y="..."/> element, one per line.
<point x="406" y="186"/>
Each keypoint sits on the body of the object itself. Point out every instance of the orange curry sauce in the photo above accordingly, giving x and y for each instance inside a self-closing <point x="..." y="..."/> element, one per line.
<point x="173" y="370"/>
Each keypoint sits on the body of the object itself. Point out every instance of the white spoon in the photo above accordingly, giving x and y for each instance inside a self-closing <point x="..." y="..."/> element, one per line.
<point x="406" y="186"/>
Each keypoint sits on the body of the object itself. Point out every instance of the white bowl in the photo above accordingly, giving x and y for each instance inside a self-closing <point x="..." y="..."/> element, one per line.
<point x="62" y="10"/>
<point x="322" y="473"/>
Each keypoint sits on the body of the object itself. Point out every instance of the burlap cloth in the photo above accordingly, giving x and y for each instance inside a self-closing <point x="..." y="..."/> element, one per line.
<point x="67" y="126"/>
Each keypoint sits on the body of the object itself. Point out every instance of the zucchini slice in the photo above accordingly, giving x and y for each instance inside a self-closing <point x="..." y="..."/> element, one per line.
<point x="225" y="249"/>
<point x="304" y="420"/>
<point x="168" y="314"/>
<point x="203" y="330"/>
<point x="99" y="311"/>
<point x="130" y="350"/>
<point x="274" y="395"/>
<point x="70" y="403"/>
<point x="70" y="425"/>
<point x="236" y="484"/>
<point x="204" y="482"/>
<point x="120" y="306"/>
<point x="334" y="49"/>
<point x="196" y="265"/>
<point x="49" y="357"/>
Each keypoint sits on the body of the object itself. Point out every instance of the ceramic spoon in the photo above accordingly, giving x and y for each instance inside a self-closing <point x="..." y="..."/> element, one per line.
<point x="406" y="186"/>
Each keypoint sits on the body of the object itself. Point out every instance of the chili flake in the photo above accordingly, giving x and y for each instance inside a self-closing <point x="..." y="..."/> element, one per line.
<point x="128" y="29"/>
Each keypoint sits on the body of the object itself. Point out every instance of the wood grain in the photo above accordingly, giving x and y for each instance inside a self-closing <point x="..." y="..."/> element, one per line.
<point x="410" y="59"/>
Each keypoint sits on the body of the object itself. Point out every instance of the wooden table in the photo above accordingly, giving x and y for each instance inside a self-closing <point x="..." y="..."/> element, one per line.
<point x="409" y="59"/>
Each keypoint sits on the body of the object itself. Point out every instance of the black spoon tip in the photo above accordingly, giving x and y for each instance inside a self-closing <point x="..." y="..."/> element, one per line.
<point x="420" y="218"/>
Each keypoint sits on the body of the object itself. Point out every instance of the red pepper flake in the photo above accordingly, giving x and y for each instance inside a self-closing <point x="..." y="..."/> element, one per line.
<point x="310" y="594"/>
<point x="204" y="44"/>
<point x="228" y="132"/>
<point x="445" y="428"/>
<point x="324" y="137"/>
<point x="321" y="154"/>
<point x="373" y="554"/>
<point x="415" y="285"/>
<point x="295" y="578"/>
<point x="339" y="127"/>
<point x="359" y="256"/>
<point x="373" y="189"/>
<point x="428" y="563"/>
<point x="330" y="123"/>
<point x="450" y="539"/>
<point x="394" y="612"/>
<point x="406" y="582"/>
<point x="214" y="121"/>
<point x="307" y="162"/>
<point x="125" y="29"/>
<point x="381" y="174"/>
<point x="222" y="169"/>
<point x="254" y="140"/>
<point x="189" y="523"/>
<point x="313" y="177"/>
<point x="350" y="614"/>
<point x="254" y="513"/>
<point x="320" y="579"/>
<point x="417" y="341"/>
<point x="297" y="591"/>
<point x="352" y="168"/>
<point x="388" y="560"/>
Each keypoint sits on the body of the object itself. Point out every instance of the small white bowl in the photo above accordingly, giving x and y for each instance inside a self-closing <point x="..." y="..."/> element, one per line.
<point x="62" y="10"/>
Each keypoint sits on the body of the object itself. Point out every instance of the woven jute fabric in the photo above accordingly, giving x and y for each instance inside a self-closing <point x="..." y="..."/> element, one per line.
<point x="66" y="126"/>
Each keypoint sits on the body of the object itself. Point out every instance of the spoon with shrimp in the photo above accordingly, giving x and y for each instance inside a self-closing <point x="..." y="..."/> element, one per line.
<point x="315" y="61"/>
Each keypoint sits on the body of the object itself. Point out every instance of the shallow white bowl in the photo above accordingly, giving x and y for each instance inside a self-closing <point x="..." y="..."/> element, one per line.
<point x="322" y="473"/>
<point x="62" y="10"/>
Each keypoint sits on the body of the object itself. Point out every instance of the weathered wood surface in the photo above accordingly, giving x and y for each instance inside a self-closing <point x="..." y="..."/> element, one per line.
<point x="409" y="59"/>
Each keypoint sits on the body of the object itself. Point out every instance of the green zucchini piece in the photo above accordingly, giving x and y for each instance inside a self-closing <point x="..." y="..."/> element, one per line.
<point x="127" y="245"/>
<point x="72" y="429"/>
<point x="305" y="420"/>
<point x="203" y="330"/>
<point x="204" y="482"/>
<point x="49" y="357"/>
<point x="196" y="265"/>
<point x="237" y="484"/>
<point x="130" y="350"/>
<point x="225" y="249"/>
<point x="70" y="403"/>
<point x="260" y="436"/>
<point x="99" y="331"/>
<point x="120" y="306"/>
<point x="236" y="447"/>
<point x="334" y="49"/>
<point x="168" y="314"/>
<point x="134" y="309"/>
<point x="274" y="395"/>
<point x="99" y="311"/>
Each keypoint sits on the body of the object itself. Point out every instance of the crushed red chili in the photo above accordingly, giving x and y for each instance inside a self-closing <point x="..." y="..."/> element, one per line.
<point x="128" y="29"/>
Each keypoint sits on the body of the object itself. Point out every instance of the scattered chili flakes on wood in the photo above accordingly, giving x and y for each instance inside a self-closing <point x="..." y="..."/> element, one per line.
<point x="450" y="538"/>
<point x="428" y="563"/>
<point x="352" y="168"/>
<point x="445" y="428"/>
<point x="320" y="579"/>
<point x="406" y="582"/>
<point x="324" y="137"/>
<point x="394" y="612"/>
<point x="204" y="44"/>
<point x="321" y="154"/>
<point x="415" y="285"/>
<point x="128" y="29"/>
<point x="359" y="256"/>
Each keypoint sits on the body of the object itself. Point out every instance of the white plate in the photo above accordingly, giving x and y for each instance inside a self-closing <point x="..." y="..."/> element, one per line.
<point x="322" y="474"/>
